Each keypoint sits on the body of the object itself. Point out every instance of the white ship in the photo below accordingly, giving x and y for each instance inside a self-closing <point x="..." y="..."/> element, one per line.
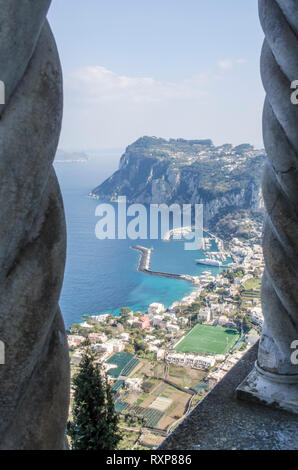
<point x="209" y="262"/>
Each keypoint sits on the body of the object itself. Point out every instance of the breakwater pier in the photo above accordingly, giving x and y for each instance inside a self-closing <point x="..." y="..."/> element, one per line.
<point x="144" y="265"/>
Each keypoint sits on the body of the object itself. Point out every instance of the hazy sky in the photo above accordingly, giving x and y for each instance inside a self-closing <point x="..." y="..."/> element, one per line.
<point x="169" y="68"/>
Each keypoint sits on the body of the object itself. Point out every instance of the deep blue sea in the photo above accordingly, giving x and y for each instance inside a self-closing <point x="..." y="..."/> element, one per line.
<point x="101" y="275"/>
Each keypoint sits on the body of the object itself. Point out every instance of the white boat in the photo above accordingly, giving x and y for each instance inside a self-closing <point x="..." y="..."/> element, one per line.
<point x="209" y="262"/>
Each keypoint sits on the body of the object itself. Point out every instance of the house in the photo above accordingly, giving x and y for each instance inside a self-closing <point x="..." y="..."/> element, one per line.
<point x="97" y="338"/>
<point x="234" y="290"/>
<point x="157" y="320"/>
<point x="116" y="344"/>
<point x="124" y="337"/>
<point x="256" y="316"/>
<point x="160" y="354"/>
<point x="75" y="340"/>
<point x="133" y="384"/>
<point x="171" y="327"/>
<point x="152" y="348"/>
<point x="204" y="314"/>
<point x="191" y="360"/>
<point x="113" y="345"/>
<point x="100" y="318"/>
<point x="149" y="338"/>
<point x="176" y="358"/>
<point x="103" y="347"/>
<point x="85" y="325"/>
<point x="155" y="308"/>
<point x="132" y="320"/>
<point x="202" y="362"/>
<point x="144" y="322"/>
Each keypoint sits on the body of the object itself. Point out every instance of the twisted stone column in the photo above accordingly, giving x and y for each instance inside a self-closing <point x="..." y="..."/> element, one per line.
<point x="275" y="378"/>
<point x="34" y="381"/>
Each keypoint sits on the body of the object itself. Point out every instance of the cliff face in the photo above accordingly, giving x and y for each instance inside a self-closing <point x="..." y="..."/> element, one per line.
<point x="222" y="178"/>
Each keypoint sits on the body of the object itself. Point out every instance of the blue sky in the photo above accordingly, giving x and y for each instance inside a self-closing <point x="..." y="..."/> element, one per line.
<point x="170" y="68"/>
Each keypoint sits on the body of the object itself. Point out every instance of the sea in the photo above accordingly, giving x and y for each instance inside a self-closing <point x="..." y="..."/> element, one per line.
<point x="101" y="276"/>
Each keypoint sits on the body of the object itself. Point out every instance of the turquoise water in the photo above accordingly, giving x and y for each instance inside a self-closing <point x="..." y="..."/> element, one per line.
<point x="101" y="275"/>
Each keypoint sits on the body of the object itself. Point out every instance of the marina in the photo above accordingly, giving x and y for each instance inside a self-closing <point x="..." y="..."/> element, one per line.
<point x="144" y="266"/>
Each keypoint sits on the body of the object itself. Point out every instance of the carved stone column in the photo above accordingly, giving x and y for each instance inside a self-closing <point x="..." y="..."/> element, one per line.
<point x="274" y="380"/>
<point x="34" y="381"/>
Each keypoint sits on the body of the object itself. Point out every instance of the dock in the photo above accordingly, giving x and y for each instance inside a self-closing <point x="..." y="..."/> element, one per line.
<point x="144" y="265"/>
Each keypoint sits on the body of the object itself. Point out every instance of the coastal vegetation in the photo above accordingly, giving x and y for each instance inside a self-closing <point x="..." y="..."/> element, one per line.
<point x="94" y="424"/>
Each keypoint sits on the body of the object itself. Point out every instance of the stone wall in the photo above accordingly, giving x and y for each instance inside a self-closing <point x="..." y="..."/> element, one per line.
<point x="34" y="392"/>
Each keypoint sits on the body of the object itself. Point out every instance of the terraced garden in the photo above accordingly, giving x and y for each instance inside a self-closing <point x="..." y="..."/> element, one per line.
<point x="151" y="416"/>
<point x="125" y="363"/>
<point x="120" y="406"/>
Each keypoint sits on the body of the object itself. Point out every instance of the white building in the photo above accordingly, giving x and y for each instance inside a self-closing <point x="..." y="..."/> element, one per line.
<point x="155" y="308"/>
<point x="171" y="327"/>
<point x="100" y="318"/>
<point x="153" y="348"/>
<point x="134" y="384"/>
<point x="132" y="320"/>
<point x="116" y="344"/>
<point x="104" y="347"/>
<point x="157" y="320"/>
<point x="85" y="325"/>
<point x="160" y="354"/>
<point x="113" y="345"/>
<point x="149" y="338"/>
<point x="256" y="316"/>
<point x="191" y="360"/>
<point x="124" y="337"/>
<point x="205" y="314"/>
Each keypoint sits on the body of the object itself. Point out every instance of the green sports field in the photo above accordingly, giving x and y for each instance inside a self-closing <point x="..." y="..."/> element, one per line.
<point x="209" y="340"/>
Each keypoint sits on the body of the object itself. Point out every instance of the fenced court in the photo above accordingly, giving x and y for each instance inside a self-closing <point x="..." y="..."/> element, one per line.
<point x="209" y="340"/>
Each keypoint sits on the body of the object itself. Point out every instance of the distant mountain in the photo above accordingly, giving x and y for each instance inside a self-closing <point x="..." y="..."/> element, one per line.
<point x="155" y="170"/>
<point x="70" y="157"/>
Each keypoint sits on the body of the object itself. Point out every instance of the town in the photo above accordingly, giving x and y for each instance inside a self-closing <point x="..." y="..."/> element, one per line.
<point x="162" y="362"/>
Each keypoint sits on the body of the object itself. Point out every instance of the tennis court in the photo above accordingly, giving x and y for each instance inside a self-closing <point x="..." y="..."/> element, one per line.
<point x="209" y="340"/>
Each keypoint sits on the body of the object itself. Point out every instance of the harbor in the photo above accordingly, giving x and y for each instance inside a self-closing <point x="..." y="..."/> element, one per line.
<point x="144" y="266"/>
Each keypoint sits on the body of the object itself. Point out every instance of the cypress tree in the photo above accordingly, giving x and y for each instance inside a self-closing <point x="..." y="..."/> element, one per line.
<point x="95" y="423"/>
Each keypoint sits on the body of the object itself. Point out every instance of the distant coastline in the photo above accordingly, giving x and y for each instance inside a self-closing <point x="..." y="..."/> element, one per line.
<point x="70" y="157"/>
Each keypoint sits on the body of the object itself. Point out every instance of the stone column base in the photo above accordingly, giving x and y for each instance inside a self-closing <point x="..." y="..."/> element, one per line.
<point x="277" y="391"/>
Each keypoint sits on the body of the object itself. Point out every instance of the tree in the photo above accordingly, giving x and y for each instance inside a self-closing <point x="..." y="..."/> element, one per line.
<point x="95" y="423"/>
<point x="129" y="349"/>
<point x="125" y="310"/>
<point x="246" y="324"/>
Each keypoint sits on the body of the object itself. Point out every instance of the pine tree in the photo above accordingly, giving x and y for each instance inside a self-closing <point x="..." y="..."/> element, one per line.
<point x="95" y="423"/>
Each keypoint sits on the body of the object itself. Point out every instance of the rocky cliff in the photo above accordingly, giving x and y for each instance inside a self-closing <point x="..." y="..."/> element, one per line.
<point x="154" y="170"/>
